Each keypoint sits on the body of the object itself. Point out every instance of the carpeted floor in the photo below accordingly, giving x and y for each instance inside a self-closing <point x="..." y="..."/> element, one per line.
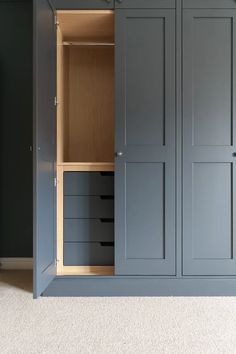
<point x="111" y="325"/>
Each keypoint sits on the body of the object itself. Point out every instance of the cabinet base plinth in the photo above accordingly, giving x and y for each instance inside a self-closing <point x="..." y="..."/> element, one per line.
<point x="139" y="286"/>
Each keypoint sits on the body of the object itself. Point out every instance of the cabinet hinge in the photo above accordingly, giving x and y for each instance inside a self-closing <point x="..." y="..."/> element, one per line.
<point x="55" y="101"/>
<point x="56" y="22"/>
<point x="55" y="182"/>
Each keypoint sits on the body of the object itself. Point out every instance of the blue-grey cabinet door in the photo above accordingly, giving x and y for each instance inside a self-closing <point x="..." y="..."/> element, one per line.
<point x="145" y="142"/>
<point x="44" y="146"/>
<point x="209" y="142"/>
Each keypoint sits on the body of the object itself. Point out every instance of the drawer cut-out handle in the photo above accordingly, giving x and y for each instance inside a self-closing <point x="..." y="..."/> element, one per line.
<point x="104" y="174"/>
<point x="107" y="244"/>
<point x="107" y="197"/>
<point x="107" y="220"/>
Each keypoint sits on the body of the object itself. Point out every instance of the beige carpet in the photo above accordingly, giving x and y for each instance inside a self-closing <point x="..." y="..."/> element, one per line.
<point x="111" y="325"/>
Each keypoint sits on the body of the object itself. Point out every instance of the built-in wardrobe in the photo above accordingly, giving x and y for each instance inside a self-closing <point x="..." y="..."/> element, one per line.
<point x="134" y="147"/>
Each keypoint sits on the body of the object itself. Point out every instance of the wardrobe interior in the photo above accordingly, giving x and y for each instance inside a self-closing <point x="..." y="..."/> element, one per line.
<point x="85" y="123"/>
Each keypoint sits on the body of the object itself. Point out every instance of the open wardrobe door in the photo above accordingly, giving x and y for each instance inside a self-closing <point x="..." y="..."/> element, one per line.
<point x="44" y="146"/>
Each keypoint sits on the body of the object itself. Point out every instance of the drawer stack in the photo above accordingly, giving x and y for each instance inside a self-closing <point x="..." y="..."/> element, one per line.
<point x="88" y="218"/>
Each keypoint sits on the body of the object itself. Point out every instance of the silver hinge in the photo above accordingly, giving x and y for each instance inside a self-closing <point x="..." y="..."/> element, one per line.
<point x="56" y="22"/>
<point x="55" y="101"/>
<point x="55" y="182"/>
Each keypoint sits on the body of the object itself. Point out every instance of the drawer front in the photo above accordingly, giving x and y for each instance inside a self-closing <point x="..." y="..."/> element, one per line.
<point x="88" y="207"/>
<point x="88" y="254"/>
<point x="88" y="183"/>
<point x="88" y="230"/>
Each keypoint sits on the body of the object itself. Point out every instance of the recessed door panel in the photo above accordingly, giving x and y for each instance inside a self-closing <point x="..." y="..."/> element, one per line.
<point x="212" y="210"/>
<point x="145" y="210"/>
<point x="145" y="142"/>
<point x="212" y="81"/>
<point x="145" y="77"/>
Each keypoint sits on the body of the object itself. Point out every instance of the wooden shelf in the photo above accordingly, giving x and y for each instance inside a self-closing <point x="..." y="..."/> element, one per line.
<point x="86" y="166"/>
<point x="84" y="25"/>
<point x="85" y="270"/>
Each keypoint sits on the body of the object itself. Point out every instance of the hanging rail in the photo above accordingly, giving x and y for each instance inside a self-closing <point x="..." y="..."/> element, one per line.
<point x="72" y="43"/>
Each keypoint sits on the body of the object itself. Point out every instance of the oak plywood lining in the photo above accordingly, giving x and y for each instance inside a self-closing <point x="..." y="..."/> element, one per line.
<point x="85" y="106"/>
<point x="87" y="166"/>
<point x="60" y="98"/>
<point x="86" y="270"/>
<point x="82" y="25"/>
<point x="91" y="104"/>
<point x="85" y="89"/>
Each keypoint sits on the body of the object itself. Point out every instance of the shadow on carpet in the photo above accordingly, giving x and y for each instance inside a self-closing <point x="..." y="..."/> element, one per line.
<point x="20" y="279"/>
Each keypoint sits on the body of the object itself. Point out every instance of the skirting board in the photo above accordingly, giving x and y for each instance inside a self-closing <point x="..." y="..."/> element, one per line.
<point x="16" y="263"/>
<point x="139" y="286"/>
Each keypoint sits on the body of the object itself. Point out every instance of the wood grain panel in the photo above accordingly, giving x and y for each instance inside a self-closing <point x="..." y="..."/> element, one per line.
<point x="60" y="96"/>
<point x="85" y="25"/>
<point x="86" y="270"/>
<point x="91" y="104"/>
<point x="87" y="166"/>
<point x="60" y="219"/>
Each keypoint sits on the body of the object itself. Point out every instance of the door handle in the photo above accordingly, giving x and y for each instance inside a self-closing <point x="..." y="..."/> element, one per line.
<point x="119" y="153"/>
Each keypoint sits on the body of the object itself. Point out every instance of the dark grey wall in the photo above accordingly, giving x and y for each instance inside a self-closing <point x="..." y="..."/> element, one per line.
<point x="15" y="128"/>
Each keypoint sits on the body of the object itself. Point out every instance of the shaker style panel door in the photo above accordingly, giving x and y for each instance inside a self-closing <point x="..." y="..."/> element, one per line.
<point x="44" y="146"/>
<point x="145" y="142"/>
<point x="209" y="142"/>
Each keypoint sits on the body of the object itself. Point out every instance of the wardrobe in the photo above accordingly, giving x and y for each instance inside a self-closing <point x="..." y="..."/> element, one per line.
<point x="134" y="147"/>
